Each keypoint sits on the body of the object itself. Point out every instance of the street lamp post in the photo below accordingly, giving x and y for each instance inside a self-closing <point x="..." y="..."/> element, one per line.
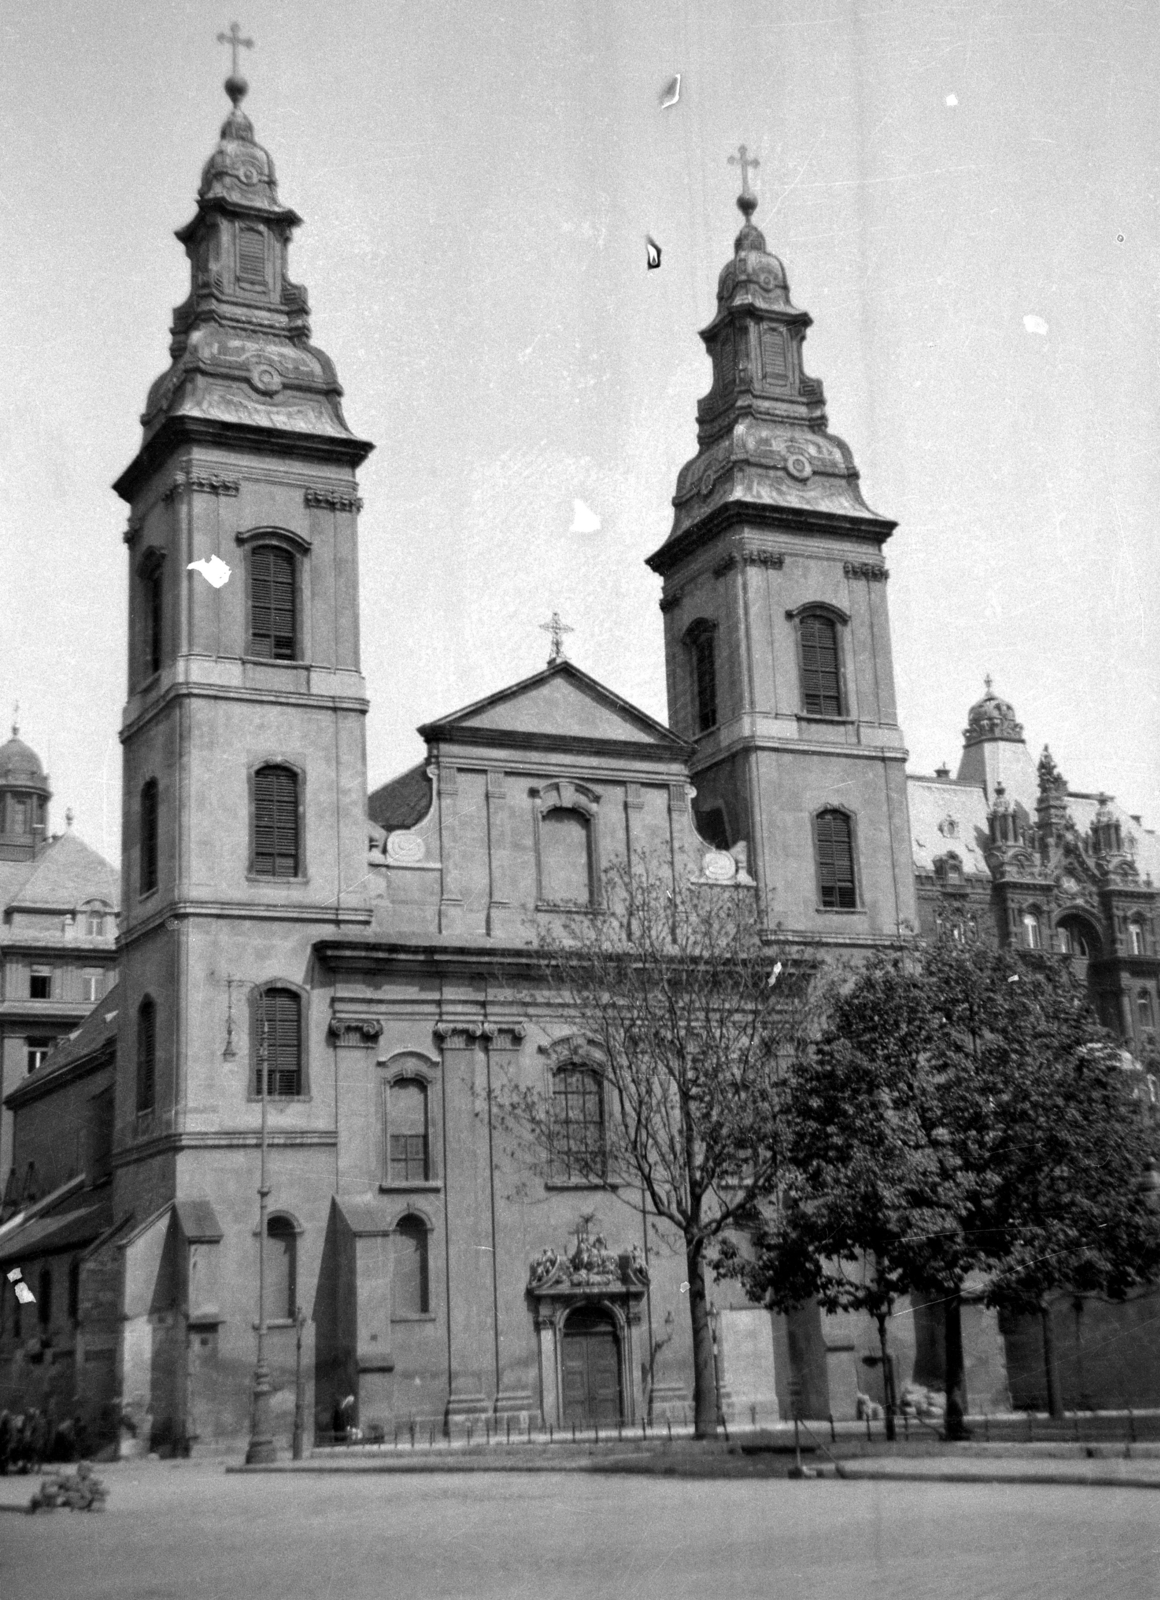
<point x="261" y="1447"/>
<point x="299" y="1393"/>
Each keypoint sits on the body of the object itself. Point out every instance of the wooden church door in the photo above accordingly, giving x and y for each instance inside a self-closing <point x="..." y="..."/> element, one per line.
<point x="591" y="1368"/>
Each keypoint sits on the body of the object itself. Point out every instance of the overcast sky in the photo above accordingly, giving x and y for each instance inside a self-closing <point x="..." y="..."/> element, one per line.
<point x="965" y="200"/>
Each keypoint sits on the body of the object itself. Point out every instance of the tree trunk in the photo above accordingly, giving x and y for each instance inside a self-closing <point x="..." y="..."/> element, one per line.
<point x="704" y="1375"/>
<point x="956" y="1383"/>
<point x="887" y="1376"/>
<point x="1050" y="1364"/>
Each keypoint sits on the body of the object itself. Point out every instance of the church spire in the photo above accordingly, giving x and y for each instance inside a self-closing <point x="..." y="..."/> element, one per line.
<point x="239" y="344"/>
<point x="762" y="428"/>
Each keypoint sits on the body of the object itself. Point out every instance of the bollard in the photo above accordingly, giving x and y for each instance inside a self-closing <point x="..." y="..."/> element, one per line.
<point x="508" y="1429"/>
<point x="529" y="1427"/>
<point x="986" y="1427"/>
<point x="597" y="1433"/>
<point x="1131" y="1426"/>
<point x="669" y="1420"/>
<point x="573" y="1433"/>
<point x="833" y="1430"/>
<point x="643" y="1428"/>
<point x="412" y="1433"/>
<point x="906" y="1426"/>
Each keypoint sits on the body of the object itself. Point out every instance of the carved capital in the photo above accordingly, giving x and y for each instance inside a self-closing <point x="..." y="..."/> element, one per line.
<point x="201" y="483"/>
<point x="763" y="558"/>
<point x="504" y="1035"/>
<point x="354" y="1030"/>
<point x="459" y="1035"/>
<point x="726" y="564"/>
<point x="865" y="569"/>
<point x="332" y="500"/>
<point x="672" y="600"/>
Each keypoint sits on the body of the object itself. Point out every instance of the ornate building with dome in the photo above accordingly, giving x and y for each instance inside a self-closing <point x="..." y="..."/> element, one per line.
<point x="58" y="924"/>
<point x="320" y="990"/>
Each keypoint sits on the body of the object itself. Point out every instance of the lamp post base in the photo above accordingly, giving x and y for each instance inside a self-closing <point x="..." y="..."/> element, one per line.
<point x="260" y="1451"/>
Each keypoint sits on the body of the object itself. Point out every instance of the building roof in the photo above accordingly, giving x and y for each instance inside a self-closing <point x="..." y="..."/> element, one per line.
<point x="65" y="874"/>
<point x="62" y="1232"/>
<point x="1142" y="843"/>
<point x="96" y="1033"/>
<point x="946" y="815"/>
<point x="402" y="801"/>
<point x="20" y="766"/>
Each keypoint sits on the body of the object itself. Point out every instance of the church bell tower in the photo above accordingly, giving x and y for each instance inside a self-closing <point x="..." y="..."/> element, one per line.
<point x="244" y="812"/>
<point x="777" y="638"/>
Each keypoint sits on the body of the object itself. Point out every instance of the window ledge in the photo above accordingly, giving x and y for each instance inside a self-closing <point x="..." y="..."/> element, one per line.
<point x="414" y="1316"/>
<point x="274" y="661"/>
<point x="841" y="911"/>
<point x="575" y="906"/>
<point x="426" y="1185"/>
<point x="280" y="1099"/>
<point x="268" y="878"/>
<point x="818" y="716"/>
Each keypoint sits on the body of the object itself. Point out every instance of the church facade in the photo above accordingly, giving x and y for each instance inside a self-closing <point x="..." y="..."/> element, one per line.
<point x="359" y="974"/>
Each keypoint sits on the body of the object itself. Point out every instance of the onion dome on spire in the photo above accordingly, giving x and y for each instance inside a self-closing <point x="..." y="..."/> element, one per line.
<point x="24" y="797"/>
<point x="240" y="346"/>
<point x="762" y="428"/>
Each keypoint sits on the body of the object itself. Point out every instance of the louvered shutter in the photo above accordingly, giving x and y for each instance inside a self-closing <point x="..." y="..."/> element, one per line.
<point x="276" y="844"/>
<point x="272" y="604"/>
<point x="836" y="861"/>
<point x="774" y="362"/>
<point x="252" y="255"/>
<point x="146" y="1055"/>
<point x="821" y="689"/>
<point x="148" y="842"/>
<point x="280" y="1035"/>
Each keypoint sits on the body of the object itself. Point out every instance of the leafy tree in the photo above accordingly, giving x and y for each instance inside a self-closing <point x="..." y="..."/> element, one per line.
<point x="691" y="1017"/>
<point x="962" y="1112"/>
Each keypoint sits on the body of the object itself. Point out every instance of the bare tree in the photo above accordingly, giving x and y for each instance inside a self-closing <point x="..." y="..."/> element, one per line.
<point x="692" y="1017"/>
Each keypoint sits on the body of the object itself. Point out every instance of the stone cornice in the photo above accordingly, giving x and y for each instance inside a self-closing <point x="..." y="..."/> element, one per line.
<point x="180" y="429"/>
<point x="787" y="519"/>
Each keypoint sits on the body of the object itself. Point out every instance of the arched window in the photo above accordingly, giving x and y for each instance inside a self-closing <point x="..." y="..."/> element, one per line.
<point x="281" y="1266"/>
<point x="277" y="1042"/>
<point x="410" y="1295"/>
<point x="1029" y="925"/>
<point x="702" y="642"/>
<point x="277" y="846"/>
<point x="273" y="603"/>
<point x="834" y="842"/>
<point x="565" y="857"/>
<point x="152" y="616"/>
<point x="407" y="1144"/>
<point x="578" y="1141"/>
<point x="146" y="1054"/>
<point x="95" y="923"/>
<point x="820" y="672"/>
<point x="1076" y="939"/>
<point x="1136" y="939"/>
<point x="148" y="836"/>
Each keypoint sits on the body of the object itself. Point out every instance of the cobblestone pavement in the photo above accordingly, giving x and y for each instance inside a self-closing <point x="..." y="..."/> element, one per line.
<point x="184" y="1529"/>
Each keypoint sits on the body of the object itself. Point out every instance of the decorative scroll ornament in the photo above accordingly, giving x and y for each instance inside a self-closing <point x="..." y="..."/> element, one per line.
<point x="355" y="1030"/>
<point x="201" y="483"/>
<point x="405" y="849"/>
<point x="591" y="1265"/>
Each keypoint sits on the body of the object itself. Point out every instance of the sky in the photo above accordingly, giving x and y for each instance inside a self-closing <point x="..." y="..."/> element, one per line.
<point x="964" y="196"/>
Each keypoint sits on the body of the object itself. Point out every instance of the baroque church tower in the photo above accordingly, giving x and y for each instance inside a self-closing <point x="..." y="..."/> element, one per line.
<point x="244" y="822"/>
<point x="777" y="638"/>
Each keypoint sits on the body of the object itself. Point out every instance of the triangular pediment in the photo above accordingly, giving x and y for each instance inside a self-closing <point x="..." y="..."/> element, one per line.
<point x="561" y="704"/>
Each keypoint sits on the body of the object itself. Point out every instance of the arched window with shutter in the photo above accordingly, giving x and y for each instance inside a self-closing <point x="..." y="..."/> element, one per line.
<point x="834" y="847"/>
<point x="410" y="1290"/>
<point x="277" y="1042"/>
<point x="273" y="603"/>
<point x="820" y="665"/>
<point x="146" y="1054"/>
<point x="277" y="823"/>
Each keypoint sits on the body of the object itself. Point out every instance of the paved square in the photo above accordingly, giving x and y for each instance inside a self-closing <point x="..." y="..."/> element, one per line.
<point x="183" y="1529"/>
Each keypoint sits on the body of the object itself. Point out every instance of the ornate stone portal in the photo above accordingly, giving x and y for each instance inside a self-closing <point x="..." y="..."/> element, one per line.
<point x="590" y="1276"/>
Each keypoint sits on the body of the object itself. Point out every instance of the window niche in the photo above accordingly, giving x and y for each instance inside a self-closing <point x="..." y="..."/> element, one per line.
<point x="277" y="573"/>
<point x="410" y="1268"/>
<point x="151" y="615"/>
<point x="149" y="809"/>
<point x="281" y="1268"/>
<point x="146" y="1055"/>
<point x="567" y="853"/>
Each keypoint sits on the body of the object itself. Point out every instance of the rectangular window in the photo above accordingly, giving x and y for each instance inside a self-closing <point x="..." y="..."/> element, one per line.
<point x="273" y="622"/>
<point x="578" y="1124"/>
<point x="252" y="255"/>
<point x="91" y="986"/>
<point x="407" y="1132"/>
<point x="276" y="850"/>
<point x="40" y="984"/>
<point x="36" y="1053"/>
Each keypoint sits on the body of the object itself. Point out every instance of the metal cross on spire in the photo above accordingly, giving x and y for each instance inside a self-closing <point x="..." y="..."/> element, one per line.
<point x="557" y="629"/>
<point x="15" y="719"/>
<point x="235" y="41"/>
<point x="744" y="160"/>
